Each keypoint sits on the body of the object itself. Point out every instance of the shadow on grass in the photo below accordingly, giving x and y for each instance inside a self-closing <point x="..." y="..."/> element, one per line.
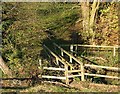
<point x="17" y="84"/>
<point x="14" y="87"/>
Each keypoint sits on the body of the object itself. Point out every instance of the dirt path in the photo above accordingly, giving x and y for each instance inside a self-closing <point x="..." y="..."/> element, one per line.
<point x="75" y="86"/>
<point x="92" y="87"/>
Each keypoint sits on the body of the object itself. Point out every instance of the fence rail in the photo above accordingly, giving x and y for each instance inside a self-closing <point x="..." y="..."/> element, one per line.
<point x="99" y="75"/>
<point x="99" y="46"/>
<point x="71" y="56"/>
<point x="53" y="68"/>
<point x="92" y="46"/>
<point x="105" y="67"/>
<point x="53" y="77"/>
<point x="71" y="71"/>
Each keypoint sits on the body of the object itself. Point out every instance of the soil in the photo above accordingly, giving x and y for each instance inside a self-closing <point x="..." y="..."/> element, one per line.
<point x="78" y="85"/>
<point x="95" y="87"/>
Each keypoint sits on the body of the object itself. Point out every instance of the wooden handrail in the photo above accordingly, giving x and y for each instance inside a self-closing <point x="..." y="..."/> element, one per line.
<point x="54" y="55"/>
<point x="71" y="67"/>
<point x="68" y="53"/>
<point x="62" y="60"/>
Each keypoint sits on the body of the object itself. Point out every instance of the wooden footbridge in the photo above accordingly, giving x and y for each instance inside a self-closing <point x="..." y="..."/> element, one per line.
<point x="71" y="66"/>
<point x="68" y="64"/>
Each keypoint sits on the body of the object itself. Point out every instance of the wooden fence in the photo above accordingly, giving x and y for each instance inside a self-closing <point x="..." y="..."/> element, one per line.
<point x="68" y="72"/>
<point x="102" y="67"/>
<point x="91" y="46"/>
<point x="66" y="64"/>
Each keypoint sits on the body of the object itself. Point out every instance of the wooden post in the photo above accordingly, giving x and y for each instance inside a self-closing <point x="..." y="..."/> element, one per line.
<point x="82" y="72"/>
<point x="70" y="59"/>
<point x="76" y="50"/>
<point x="0" y="73"/>
<point x="40" y="62"/>
<point x="71" y="48"/>
<point x="57" y="61"/>
<point x="61" y="53"/>
<point x="55" y="48"/>
<point x="40" y="65"/>
<point x="114" y="51"/>
<point x="66" y="74"/>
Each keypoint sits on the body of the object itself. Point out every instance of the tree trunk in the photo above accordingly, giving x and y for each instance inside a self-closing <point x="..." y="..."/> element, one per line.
<point x="85" y="15"/>
<point x="89" y="18"/>
<point x="95" y="6"/>
<point x="5" y="68"/>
